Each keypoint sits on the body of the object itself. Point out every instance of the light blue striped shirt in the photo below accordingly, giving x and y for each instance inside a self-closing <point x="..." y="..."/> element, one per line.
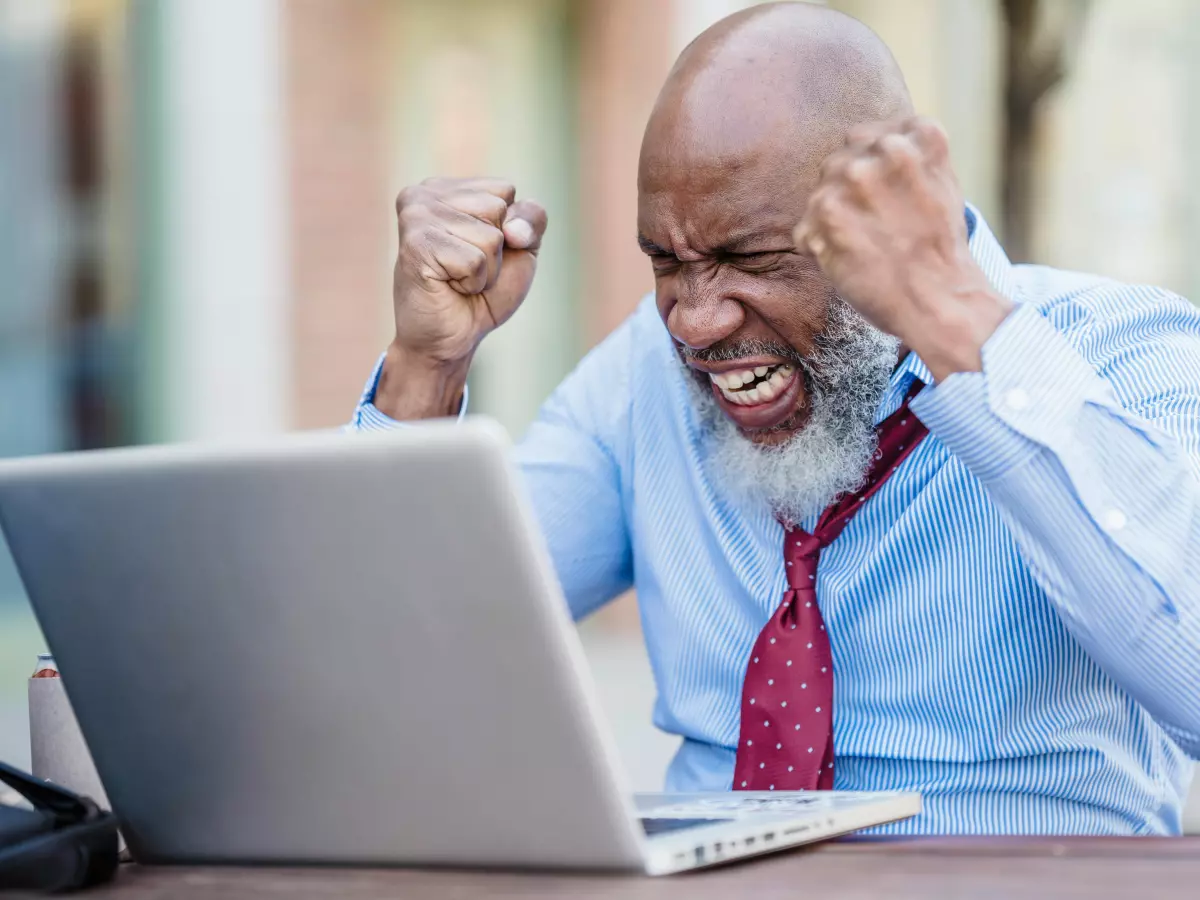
<point x="1015" y="616"/>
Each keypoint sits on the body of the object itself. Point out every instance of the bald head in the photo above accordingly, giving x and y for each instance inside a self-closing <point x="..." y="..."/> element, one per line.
<point x="787" y="72"/>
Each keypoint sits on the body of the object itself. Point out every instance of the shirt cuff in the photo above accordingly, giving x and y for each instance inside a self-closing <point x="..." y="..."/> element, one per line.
<point x="368" y="418"/>
<point x="1032" y="390"/>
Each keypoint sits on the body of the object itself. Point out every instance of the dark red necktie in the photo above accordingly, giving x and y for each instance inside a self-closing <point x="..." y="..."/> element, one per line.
<point x="786" y="740"/>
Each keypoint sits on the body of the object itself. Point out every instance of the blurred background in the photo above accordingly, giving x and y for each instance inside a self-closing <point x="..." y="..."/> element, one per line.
<point x="196" y="202"/>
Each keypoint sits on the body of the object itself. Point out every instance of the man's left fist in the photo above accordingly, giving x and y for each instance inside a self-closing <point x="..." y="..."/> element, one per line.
<point x="887" y="224"/>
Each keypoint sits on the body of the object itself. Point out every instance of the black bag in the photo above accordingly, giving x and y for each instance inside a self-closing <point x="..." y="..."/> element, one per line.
<point x="64" y="842"/>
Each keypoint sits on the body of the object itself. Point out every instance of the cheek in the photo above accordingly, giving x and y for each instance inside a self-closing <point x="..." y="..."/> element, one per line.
<point x="794" y="310"/>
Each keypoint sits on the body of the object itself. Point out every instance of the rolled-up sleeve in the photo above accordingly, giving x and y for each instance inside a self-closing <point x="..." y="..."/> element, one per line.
<point x="1090" y="449"/>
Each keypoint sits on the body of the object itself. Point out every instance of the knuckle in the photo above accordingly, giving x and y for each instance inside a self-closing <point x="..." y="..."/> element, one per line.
<point x="931" y="134"/>
<point x="417" y="242"/>
<point x="833" y="165"/>
<point x="823" y="206"/>
<point x="495" y="207"/>
<point x="477" y="262"/>
<point x="413" y="213"/>
<point x="406" y="197"/>
<point x="492" y="241"/>
<point x="860" y="172"/>
<point x="897" y="151"/>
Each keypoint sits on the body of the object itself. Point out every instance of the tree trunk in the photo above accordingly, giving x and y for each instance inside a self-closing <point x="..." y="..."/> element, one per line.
<point x="1035" y="61"/>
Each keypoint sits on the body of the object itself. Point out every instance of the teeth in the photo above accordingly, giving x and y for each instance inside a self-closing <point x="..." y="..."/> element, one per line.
<point x="730" y="382"/>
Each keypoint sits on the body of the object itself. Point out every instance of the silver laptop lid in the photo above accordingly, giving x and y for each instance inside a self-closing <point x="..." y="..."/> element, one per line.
<point x="251" y="637"/>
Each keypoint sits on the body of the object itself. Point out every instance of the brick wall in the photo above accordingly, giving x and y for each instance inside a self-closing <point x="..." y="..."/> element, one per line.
<point x="341" y="201"/>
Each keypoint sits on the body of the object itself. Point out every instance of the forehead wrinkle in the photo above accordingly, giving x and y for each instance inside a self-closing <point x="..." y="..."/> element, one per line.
<point x="734" y="212"/>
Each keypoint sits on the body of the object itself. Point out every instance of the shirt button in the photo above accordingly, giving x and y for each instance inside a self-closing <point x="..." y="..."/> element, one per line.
<point x="1016" y="399"/>
<point x="1114" y="520"/>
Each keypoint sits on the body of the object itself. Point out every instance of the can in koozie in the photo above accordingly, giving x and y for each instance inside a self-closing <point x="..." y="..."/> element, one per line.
<point x="58" y="751"/>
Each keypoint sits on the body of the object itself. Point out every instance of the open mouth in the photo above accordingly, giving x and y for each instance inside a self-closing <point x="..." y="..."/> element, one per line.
<point x="751" y="387"/>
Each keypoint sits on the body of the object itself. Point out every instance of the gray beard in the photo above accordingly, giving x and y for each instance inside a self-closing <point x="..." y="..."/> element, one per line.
<point x="846" y="378"/>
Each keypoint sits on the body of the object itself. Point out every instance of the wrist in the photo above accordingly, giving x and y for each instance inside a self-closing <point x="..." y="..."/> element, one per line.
<point x="950" y="338"/>
<point x="412" y="386"/>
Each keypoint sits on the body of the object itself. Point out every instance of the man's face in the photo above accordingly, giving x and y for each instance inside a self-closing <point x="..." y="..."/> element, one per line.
<point x="787" y="375"/>
<point x="743" y="307"/>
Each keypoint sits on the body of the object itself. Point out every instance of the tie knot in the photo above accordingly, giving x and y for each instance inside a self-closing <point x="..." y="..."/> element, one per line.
<point x="800" y="551"/>
<point x="799" y="544"/>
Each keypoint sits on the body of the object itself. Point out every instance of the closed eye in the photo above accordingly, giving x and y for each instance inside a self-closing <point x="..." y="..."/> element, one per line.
<point x="663" y="262"/>
<point x="757" y="262"/>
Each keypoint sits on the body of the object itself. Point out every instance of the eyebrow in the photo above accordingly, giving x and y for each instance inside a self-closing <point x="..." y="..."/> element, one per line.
<point x="649" y="247"/>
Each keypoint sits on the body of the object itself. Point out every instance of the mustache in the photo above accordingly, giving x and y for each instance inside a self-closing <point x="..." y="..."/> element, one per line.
<point x="725" y="351"/>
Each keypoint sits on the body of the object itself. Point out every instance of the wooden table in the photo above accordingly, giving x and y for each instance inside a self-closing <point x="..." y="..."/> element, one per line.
<point x="975" y="867"/>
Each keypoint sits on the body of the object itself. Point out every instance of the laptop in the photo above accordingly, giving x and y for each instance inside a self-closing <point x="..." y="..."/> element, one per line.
<point x="349" y="649"/>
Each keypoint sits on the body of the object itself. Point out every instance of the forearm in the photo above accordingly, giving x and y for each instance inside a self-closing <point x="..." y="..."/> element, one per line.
<point x="369" y="417"/>
<point x="409" y="389"/>
<point x="1105" y="508"/>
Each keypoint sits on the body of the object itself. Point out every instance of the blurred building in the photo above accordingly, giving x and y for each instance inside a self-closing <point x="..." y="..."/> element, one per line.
<point x="198" y="223"/>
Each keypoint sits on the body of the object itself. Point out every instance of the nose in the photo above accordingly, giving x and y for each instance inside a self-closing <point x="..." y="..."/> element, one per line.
<point x="702" y="314"/>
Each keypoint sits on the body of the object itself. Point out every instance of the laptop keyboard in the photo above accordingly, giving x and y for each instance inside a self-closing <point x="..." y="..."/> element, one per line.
<point x="662" y="826"/>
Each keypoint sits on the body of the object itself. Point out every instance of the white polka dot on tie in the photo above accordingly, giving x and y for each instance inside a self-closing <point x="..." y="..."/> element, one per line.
<point x="764" y="765"/>
<point x="809" y="645"/>
<point x="770" y="681"/>
<point x="793" y="628"/>
<point x="812" y="577"/>
<point x="784" y="704"/>
<point x="904" y="421"/>
<point x="797" y="727"/>
<point x="861" y="499"/>
<point x="751" y="701"/>
<point x="789" y="662"/>
<point x="822" y="627"/>
<point x="779" y="746"/>
<point x="767" y="723"/>
<point x="901" y="446"/>
<point x="822" y="669"/>
<point x="771" y="788"/>
<point x="818" y="709"/>
<point x="810" y="749"/>
<point x="756" y="659"/>
<point x="749" y="743"/>
<point x="830" y="766"/>
<point x="743" y="784"/>
<point x="809" y="603"/>
<point x="803" y="684"/>
<point x="772" y="640"/>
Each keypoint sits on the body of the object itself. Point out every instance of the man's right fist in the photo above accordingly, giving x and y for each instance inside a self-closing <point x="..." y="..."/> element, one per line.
<point x="468" y="251"/>
<point x="467" y="257"/>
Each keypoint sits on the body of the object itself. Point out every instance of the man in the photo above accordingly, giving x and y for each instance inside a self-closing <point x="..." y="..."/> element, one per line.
<point x="983" y="477"/>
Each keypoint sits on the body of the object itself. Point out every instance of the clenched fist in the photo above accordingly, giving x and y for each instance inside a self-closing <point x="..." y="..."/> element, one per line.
<point x="468" y="252"/>
<point x="886" y="223"/>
